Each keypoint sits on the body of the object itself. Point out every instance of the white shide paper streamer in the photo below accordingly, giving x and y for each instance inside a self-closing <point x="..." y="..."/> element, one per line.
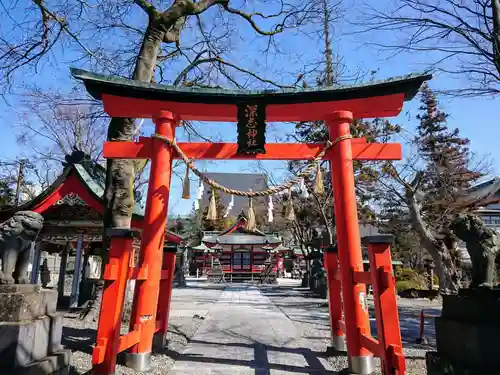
<point x="229" y="206"/>
<point x="303" y="189"/>
<point x="270" y="207"/>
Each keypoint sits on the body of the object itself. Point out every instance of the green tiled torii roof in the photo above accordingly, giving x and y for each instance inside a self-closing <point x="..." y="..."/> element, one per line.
<point x="98" y="84"/>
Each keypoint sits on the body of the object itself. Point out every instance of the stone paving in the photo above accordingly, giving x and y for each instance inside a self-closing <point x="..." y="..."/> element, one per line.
<point x="245" y="333"/>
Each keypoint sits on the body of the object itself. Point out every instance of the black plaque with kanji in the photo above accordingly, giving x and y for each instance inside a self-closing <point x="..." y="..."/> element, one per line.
<point x="251" y="129"/>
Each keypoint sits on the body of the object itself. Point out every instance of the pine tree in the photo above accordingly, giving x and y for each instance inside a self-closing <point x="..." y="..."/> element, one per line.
<point x="447" y="175"/>
<point x="436" y="192"/>
<point x="317" y="212"/>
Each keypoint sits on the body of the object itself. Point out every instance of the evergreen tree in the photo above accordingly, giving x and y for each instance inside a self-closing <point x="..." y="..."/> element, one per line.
<point x="436" y="193"/>
<point x="395" y="220"/>
<point x="447" y="175"/>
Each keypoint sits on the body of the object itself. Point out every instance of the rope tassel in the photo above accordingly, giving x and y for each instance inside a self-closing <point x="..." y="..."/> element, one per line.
<point x="290" y="212"/>
<point x="251" y="224"/>
<point x="319" y="187"/>
<point x="212" y="208"/>
<point x="186" y="187"/>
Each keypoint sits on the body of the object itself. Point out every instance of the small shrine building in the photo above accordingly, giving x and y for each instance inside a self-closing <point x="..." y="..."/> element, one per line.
<point x="242" y="252"/>
<point x="71" y="237"/>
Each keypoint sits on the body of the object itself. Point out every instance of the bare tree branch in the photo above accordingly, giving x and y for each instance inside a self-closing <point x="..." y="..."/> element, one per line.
<point x="465" y="37"/>
<point x="199" y="61"/>
<point x="147" y="7"/>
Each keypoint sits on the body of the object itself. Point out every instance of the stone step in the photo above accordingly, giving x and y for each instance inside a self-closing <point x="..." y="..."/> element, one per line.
<point x="24" y="342"/>
<point x="55" y="364"/>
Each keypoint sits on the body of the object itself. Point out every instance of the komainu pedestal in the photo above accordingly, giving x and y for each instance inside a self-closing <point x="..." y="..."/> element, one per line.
<point x="467" y="335"/>
<point x="30" y="332"/>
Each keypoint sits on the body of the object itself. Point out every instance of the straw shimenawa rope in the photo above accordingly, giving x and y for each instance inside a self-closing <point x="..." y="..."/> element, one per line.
<point x="264" y="193"/>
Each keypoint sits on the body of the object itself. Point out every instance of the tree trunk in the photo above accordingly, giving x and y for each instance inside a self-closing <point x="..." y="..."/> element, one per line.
<point x="446" y="271"/>
<point x="120" y="173"/>
<point x="329" y="78"/>
<point x="445" y="267"/>
<point x="495" y="10"/>
<point x="119" y="192"/>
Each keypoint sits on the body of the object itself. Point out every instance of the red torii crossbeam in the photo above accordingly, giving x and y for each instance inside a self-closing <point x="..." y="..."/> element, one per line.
<point x="168" y="105"/>
<point x="361" y="150"/>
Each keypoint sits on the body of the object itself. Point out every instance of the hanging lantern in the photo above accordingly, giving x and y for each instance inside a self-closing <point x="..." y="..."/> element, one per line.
<point x="217" y="248"/>
<point x="267" y="248"/>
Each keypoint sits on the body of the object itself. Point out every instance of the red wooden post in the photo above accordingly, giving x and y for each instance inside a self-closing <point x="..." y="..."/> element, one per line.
<point x="334" y="297"/>
<point x="155" y="220"/>
<point x="165" y="297"/>
<point x="110" y="318"/>
<point x="384" y="295"/>
<point x="349" y="243"/>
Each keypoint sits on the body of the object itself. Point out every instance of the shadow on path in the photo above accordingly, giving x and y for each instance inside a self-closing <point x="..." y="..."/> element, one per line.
<point x="261" y="364"/>
<point x="81" y="340"/>
<point x="285" y="298"/>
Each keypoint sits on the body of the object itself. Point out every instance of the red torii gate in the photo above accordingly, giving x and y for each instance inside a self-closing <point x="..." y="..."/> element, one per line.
<point x="168" y="105"/>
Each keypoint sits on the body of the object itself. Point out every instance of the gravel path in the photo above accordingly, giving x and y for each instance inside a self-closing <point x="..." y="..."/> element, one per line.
<point x="189" y="308"/>
<point x="309" y="315"/>
<point x="306" y="315"/>
<point x="246" y="334"/>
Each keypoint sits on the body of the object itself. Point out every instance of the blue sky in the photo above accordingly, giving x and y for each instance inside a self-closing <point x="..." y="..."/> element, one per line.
<point x="477" y="119"/>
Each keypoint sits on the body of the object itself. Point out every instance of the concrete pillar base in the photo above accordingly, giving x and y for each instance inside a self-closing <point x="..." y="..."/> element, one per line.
<point x="360" y="365"/>
<point x="338" y="345"/>
<point x="138" y="361"/>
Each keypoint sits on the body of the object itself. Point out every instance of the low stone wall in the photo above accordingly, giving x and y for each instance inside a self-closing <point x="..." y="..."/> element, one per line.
<point x="30" y="332"/>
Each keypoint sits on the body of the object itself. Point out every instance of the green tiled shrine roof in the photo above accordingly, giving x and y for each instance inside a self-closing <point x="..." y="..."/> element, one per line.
<point x="93" y="175"/>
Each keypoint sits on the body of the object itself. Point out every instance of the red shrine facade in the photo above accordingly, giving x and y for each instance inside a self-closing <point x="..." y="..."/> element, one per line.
<point x="72" y="208"/>
<point x="242" y="253"/>
<point x="73" y="205"/>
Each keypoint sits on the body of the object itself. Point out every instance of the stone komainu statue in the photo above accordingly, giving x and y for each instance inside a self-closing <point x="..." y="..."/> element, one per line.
<point x="483" y="244"/>
<point x="16" y="236"/>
